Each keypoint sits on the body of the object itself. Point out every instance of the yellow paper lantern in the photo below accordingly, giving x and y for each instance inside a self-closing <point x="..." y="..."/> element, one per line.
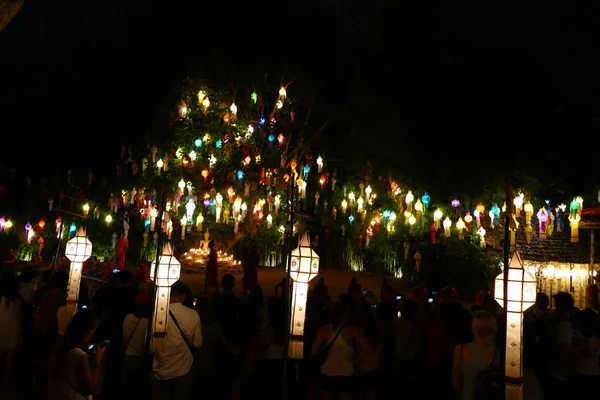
<point x="521" y="296"/>
<point x="167" y="273"/>
<point x="304" y="266"/>
<point x="78" y="250"/>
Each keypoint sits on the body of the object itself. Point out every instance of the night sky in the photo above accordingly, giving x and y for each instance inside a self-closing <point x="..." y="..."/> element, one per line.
<point x="461" y="87"/>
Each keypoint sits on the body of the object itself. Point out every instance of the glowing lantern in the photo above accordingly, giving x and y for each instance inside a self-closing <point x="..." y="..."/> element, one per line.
<point x="409" y="200"/>
<point x="419" y="209"/>
<point x="418" y="259"/>
<point x="368" y="191"/>
<point x="86" y="209"/>
<point x="29" y="233"/>
<point x="528" y="208"/>
<point x="193" y="155"/>
<point x="426" y="200"/>
<point x="198" y="143"/>
<point x="201" y="96"/>
<point x="344" y="206"/>
<point x="108" y="219"/>
<point x="455" y="204"/>
<point x="518" y="202"/>
<point x="167" y="273"/>
<point x="233" y="109"/>
<point x="205" y="104"/>
<point x="319" y="164"/>
<point x="182" y="110"/>
<point x="205" y="175"/>
<point x="160" y="164"/>
<point x="468" y="221"/>
<point x="41" y="224"/>
<point x="412" y="221"/>
<point x="360" y="202"/>
<point x="437" y="217"/>
<point x="542" y="219"/>
<point x="574" y="220"/>
<point x="495" y="215"/>
<point x="304" y="266"/>
<point x="460" y="225"/>
<point x="218" y="206"/>
<point x="579" y="201"/>
<point x="280" y="139"/>
<point x="521" y="295"/>
<point x="481" y="232"/>
<point x="78" y="250"/>
<point x="282" y="93"/>
<point x="447" y="225"/>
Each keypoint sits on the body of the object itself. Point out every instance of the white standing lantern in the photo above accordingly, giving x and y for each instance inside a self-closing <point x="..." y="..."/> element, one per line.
<point x="167" y="273"/>
<point x="304" y="266"/>
<point x="521" y="296"/>
<point x="78" y="250"/>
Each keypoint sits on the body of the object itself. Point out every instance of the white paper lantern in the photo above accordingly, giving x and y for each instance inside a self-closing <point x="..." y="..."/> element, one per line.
<point x="167" y="273"/>
<point x="78" y="250"/>
<point x="303" y="267"/>
<point x="521" y="296"/>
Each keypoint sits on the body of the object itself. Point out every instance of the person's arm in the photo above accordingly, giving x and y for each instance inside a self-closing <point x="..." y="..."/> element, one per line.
<point x="318" y="343"/>
<point x="88" y="372"/>
<point x="197" y="335"/>
<point x="456" y="369"/>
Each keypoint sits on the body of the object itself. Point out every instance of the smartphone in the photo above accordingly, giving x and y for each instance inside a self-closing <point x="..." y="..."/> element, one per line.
<point x="365" y="293"/>
<point x="84" y="306"/>
<point x="430" y="300"/>
<point x="398" y="297"/>
<point x="95" y="346"/>
<point x="116" y="271"/>
<point x="374" y="306"/>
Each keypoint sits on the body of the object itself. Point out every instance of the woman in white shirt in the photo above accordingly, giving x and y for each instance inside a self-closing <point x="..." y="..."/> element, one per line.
<point x="76" y="368"/>
<point x="585" y="377"/>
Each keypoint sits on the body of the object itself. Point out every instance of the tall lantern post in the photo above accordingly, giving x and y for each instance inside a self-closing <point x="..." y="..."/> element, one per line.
<point x="304" y="266"/>
<point x="78" y="250"/>
<point x="167" y="273"/>
<point x="520" y="295"/>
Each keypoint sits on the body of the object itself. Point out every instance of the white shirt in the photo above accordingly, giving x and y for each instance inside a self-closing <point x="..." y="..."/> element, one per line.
<point x="64" y="382"/>
<point x="588" y="364"/>
<point x="134" y="335"/>
<point x="175" y="358"/>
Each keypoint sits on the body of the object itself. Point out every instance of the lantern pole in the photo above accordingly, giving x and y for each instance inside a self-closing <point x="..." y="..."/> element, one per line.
<point x="507" y="218"/>
<point x="163" y="204"/>
<point x="288" y="314"/>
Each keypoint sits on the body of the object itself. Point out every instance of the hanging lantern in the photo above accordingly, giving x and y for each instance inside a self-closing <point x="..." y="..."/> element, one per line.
<point x="419" y="209"/>
<point x="481" y="232"/>
<point x="455" y="204"/>
<point x="518" y="202"/>
<point x="418" y="259"/>
<point x="304" y="266"/>
<point x="528" y="208"/>
<point x="574" y="220"/>
<point x="409" y="200"/>
<point x="426" y="200"/>
<point x="542" y="220"/>
<point x="521" y="295"/>
<point x="447" y="225"/>
<point x="78" y="250"/>
<point x="167" y="273"/>
<point x="468" y="221"/>
<point x="460" y="225"/>
<point x="437" y="217"/>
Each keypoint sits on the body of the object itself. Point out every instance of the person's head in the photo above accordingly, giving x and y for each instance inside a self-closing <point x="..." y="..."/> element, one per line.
<point x="178" y="292"/>
<point x="321" y="281"/>
<point x="143" y="304"/>
<point x="587" y="322"/>
<point x="60" y="280"/>
<point x="484" y="325"/>
<point x="542" y="301"/>
<point x="563" y="302"/>
<point x="338" y="314"/>
<point x="255" y="297"/>
<point x="409" y="309"/>
<point x="80" y="330"/>
<point x="211" y="244"/>
<point x="352" y="281"/>
<point x="487" y="287"/>
<point x="228" y="282"/>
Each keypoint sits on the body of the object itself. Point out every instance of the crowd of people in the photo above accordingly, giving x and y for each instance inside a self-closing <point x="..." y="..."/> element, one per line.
<point x="230" y="346"/>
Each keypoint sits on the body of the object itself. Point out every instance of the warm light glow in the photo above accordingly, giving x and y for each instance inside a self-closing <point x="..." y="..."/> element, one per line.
<point x="412" y="220"/>
<point x="108" y="219"/>
<point x="304" y="266"/>
<point x="447" y="223"/>
<point x="167" y="273"/>
<point x="437" y="215"/>
<point x="460" y="224"/>
<point x="78" y="250"/>
<point x="521" y="296"/>
<point x="160" y="163"/>
<point x="409" y="197"/>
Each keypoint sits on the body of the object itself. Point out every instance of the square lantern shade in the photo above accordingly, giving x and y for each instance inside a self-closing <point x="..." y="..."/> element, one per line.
<point x="304" y="264"/>
<point x="169" y="268"/>
<point x="520" y="296"/>
<point x="79" y="248"/>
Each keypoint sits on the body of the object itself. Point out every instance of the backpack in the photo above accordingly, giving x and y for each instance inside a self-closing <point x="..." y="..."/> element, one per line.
<point x="489" y="384"/>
